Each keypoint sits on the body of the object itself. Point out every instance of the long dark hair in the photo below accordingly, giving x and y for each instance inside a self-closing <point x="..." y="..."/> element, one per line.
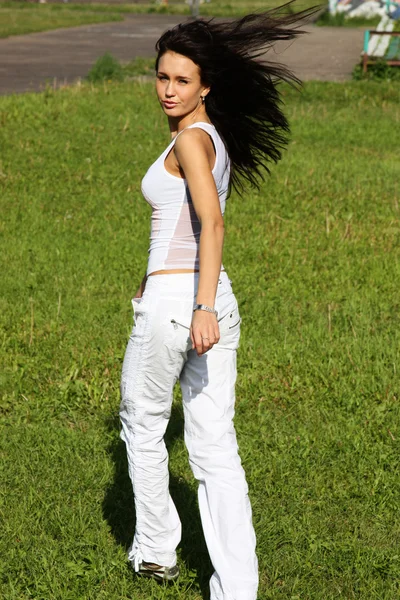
<point x="244" y="103"/>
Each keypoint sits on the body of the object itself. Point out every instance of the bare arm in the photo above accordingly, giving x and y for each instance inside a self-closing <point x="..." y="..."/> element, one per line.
<point x="194" y="152"/>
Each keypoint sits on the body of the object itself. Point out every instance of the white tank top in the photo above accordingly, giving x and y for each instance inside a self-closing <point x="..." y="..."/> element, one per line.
<point x="175" y="228"/>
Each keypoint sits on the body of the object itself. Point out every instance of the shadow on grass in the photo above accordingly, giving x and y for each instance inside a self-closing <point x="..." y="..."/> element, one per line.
<point x="119" y="511"/>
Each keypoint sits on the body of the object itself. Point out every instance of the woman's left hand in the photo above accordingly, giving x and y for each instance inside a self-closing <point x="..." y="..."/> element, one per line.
<point x="204" y="331"/>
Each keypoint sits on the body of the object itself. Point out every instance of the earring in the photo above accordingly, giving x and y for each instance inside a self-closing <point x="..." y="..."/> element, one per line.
<point x="202" y="99"/>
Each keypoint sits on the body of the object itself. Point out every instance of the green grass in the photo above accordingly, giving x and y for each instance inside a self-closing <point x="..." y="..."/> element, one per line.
<point x="108" y="68"/>
<point x="18" y="17"/>
<point x="315" y="261"/>
<point x="139" y="67"/>
<point x="343" y="20"/>
<point x="378" y="71"/>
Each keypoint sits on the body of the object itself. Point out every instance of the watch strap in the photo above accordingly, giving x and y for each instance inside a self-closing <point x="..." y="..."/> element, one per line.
<point x="206" y="308"/>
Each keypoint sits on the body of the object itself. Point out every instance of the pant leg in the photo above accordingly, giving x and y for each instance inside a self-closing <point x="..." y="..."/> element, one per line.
<point x="149" y="373"/>
<point x="208" y="390"/>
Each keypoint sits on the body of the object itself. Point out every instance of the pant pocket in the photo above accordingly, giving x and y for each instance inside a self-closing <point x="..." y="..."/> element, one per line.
<point x="230" y="321"/>
<point x="141" y="320"/>
<point x="177" y="332"/>
<point x="138" y="307"/>
<point x="229" y="327"/>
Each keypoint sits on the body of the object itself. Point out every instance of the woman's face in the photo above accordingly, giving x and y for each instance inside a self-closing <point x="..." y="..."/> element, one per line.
<point x="178" y="86"/>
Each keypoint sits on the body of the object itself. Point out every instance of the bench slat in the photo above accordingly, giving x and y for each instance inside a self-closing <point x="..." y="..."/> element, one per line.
<point x="394" y="49"/>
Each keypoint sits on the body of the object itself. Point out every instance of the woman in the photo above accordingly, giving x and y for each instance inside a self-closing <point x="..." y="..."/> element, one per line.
<point x="226" y="125"/>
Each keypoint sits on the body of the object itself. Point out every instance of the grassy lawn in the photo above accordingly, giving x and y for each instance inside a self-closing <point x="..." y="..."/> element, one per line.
<point x="315" y="261"/>
<point x="21" y="17"/>
<point x="342" y="20"/>
<point x="17" y="18"/>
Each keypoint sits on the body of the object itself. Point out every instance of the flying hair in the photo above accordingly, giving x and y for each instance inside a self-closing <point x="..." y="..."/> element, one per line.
<point x="244" y="103"/>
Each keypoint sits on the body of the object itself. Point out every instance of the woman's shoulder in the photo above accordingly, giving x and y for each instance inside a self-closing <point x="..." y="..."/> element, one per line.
<point x="199" y="135"/>
<point x="199" y="140"/>
<point x="196" y="131"/>
<point x="193" y="138"/>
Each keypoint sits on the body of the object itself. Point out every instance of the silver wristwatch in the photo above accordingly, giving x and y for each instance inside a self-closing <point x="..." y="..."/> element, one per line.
<point x="206" y="308"/>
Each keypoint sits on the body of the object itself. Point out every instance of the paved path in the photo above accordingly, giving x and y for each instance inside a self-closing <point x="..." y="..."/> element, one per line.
<point x="27" y="62"/>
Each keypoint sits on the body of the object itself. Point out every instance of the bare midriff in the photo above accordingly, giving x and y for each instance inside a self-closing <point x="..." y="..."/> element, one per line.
<point x="166" y="271"/>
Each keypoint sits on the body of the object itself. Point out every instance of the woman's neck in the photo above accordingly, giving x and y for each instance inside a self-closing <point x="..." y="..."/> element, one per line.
<point x="176" y="125"/>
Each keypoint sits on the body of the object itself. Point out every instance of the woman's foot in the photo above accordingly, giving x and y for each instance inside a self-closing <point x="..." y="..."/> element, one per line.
<point x="158" y="572"/>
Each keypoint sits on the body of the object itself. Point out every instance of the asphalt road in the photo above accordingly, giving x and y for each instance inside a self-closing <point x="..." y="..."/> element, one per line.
<point x="28" y="62"/>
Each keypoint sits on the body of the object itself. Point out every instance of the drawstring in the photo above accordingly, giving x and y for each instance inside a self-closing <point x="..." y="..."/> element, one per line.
<point x="136" y="557"/>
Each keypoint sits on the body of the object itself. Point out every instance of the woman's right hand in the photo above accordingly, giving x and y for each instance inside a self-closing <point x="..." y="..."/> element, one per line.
<point x="204" y="331"/>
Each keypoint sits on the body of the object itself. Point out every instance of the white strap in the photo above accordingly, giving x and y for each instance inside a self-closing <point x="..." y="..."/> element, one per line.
<point x="136" y="557"/>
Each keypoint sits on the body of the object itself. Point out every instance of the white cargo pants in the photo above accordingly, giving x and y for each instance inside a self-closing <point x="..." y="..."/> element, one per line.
<point x="158" y="353"/>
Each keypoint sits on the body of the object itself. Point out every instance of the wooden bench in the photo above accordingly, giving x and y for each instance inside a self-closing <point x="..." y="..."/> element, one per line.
<point x="391" y="56"/>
